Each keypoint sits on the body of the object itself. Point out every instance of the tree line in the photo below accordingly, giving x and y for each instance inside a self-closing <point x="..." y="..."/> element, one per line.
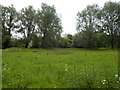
<point x="96" y="27"/>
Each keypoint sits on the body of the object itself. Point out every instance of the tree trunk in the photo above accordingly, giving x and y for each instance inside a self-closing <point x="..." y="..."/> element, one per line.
<point x="10" y="25"/>
<point x="27" y="42"/>
<point x="112" y="42"/>
<point x="27" y="38"/>
<point x="26" y="45"/>
<point x="9" y="31"/>
<point x="43" y="39"/>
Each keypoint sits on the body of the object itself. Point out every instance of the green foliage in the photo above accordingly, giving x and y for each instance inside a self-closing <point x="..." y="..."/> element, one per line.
<point x="27" y="23"/>
<point x="16" y="42"/>
<point x="6" y="41"/>
<point x="85" y="39"/>
<point x="77" y="40"/>
<point x="64" y="42"/>
<point x="111" y="21"/>
<point x="98" y="27"/>
<point x="36" y="41"/>
<point x="86" y="23"/>
<point x="70" y="40"/>
<point x="8" y="19"/>
<point x="50" y="26"/>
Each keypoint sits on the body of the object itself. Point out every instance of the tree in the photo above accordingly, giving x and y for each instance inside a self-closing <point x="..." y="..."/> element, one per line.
<point x="0" y="28"/>
<point x="36" y="41"/>
<point x="64" y="42"/>
<point x="78" y="40"/>
<point x="87" y="23"/>
<point x="111" y="21"/>
<point x="27" y="24"/>
<point x="8" y="19"/>
<point x="70" y="40"/>
<point x="49" y="26"/>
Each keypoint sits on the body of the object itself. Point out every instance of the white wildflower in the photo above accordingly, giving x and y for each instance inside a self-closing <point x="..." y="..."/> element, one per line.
<point x="66" y="69"/>
<point x="66" y="65"/>
<point x="117" y="81"/>
<point x="104" y="81"/>
<point x="4" y="69"/>
<point x="116" y="75"/>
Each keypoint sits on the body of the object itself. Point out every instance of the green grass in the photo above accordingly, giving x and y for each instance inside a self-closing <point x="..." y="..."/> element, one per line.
<point x="60" y="68"/>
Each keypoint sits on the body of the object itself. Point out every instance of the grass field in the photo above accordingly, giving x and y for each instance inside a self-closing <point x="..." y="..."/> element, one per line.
<point x="60" y="68"/>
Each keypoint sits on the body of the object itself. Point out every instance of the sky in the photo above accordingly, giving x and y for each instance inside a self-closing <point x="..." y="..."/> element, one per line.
<point x="67" y="9"/>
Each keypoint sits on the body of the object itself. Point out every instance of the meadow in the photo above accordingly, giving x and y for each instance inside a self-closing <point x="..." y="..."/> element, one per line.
<point x="60" y="68"/>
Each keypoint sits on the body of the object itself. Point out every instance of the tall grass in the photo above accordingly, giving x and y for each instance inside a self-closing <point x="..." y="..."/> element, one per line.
<point x="60" y="68"/>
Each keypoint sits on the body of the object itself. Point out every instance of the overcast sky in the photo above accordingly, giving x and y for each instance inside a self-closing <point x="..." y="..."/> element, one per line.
<point x="66" y="8"/>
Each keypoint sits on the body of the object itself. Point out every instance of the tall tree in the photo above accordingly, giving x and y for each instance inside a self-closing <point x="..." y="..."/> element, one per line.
<point x="49" y="25"/>
<point x="111" y="21"/>
<point x="0" y="28"/>
<point x="8" y="19"/>
<point x="87" y="23"/>
<point x="27" y="23"/>
<point x="70" y="40"/>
